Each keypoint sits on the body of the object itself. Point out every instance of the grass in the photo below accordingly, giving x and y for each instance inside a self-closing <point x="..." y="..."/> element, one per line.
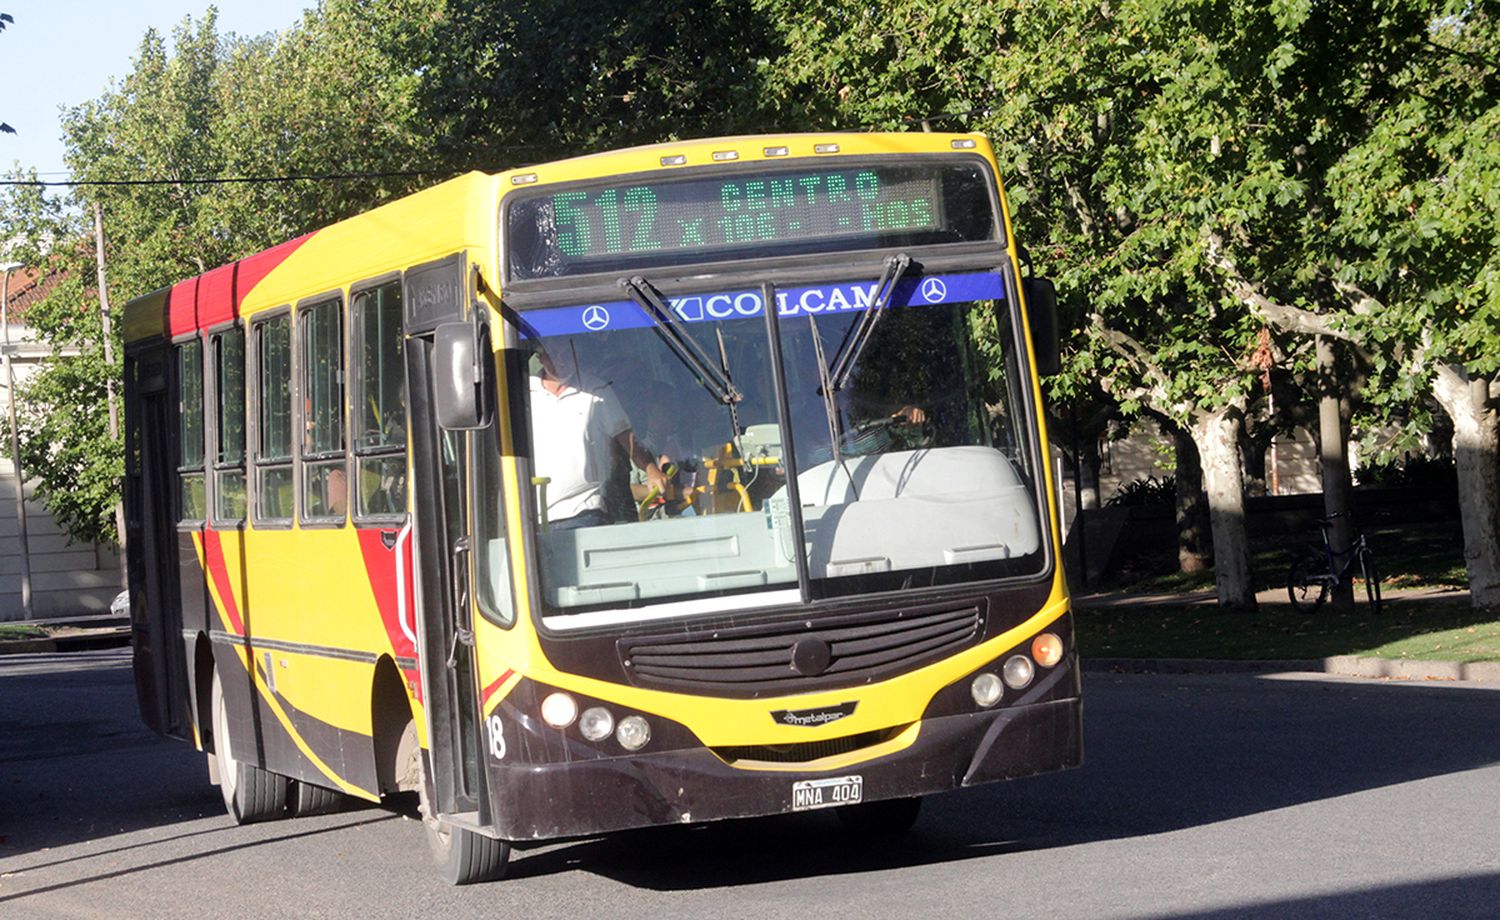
<point x="1415" y="556"/>
<point x="1434" y="630"/>
<point x="14" y="631"/>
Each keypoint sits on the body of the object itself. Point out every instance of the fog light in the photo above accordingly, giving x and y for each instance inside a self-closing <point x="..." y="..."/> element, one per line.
<point x="596" y="723"/>
<point x="1046" y="649"/>
<point x="559" y="710"/>
<point x="986" y="690"/>
<point x="1018" y="672"/>
<point x="633" y="733"/>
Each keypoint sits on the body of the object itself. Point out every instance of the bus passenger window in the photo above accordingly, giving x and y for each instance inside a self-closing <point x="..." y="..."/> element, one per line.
<point x="273" y="387"/>
<point x="324" y="487"/>
<point x="191" y="504"/>
<point x="228" y="350"/>
<point x="379" y="403"/>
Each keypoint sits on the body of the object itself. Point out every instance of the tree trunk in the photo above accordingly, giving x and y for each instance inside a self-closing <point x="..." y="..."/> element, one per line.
<point x="1333" y="457"/>
<point x="1476" y="449"/>
<point x="1217" y="436"/>
<point x="1195" y="548"/>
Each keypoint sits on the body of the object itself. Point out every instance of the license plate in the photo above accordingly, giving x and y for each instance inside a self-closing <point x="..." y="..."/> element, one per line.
<point x="826" y="793"/>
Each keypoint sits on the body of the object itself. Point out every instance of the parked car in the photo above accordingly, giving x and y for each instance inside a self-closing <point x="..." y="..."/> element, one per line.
<point x="120" y="606"/>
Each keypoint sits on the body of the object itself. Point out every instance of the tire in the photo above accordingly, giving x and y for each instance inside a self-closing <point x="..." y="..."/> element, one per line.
<point x="250" y="793"/>
<point x="1306" y="593"/>
<point x="885" y="818"/>
<point x="1372" y="579"/>
<point x="304" y="800"/>
<point x="462" y="857"/>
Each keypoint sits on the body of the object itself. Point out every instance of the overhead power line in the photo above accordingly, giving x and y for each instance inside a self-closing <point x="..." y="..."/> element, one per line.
<point x="225" y="180"/>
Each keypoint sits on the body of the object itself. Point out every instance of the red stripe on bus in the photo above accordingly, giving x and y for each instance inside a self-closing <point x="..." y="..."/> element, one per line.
<point x="254" y="269"/>
<point x="182" y="307"/>
<point x="489" y="691"/>
<point x="213" y="560"/>
<point x="216" y="296"/>
<point x="380" y="569"/>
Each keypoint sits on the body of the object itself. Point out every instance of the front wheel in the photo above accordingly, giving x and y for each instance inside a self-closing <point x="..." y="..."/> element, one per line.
<point x="250" y="793"/>
<point x="1372" y="579"/>
<point x="1305" y="584"/>
<point x="462" y="856"/>
<point x="305" y="800"/>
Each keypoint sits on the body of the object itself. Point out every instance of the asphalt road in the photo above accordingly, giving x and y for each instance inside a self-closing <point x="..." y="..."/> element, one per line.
<point x="1208" y="797"/>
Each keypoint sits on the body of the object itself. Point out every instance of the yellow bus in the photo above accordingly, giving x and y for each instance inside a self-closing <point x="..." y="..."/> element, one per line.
<point x="668" y="485"/>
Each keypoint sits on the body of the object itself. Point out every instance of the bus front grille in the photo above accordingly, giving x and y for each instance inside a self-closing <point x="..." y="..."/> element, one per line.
<point x="791" y="656"/>
<point x="805" y="751"/>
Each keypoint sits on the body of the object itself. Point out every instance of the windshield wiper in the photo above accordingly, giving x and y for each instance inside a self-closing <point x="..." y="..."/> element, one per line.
<point x="715" y="380"/>
<point x="859" y="333"/>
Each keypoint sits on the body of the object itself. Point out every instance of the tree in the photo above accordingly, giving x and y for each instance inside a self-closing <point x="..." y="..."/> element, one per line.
<point x="332" y="95"/>
<point x="517" y="82"/>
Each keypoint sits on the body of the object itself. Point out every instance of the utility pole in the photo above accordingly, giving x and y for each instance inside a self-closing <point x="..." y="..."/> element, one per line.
<point x="15" y="443"/>
<point x="109" y="378"/>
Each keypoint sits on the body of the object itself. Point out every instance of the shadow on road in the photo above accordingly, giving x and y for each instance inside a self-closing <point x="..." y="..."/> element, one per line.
<point x="1162" y="754"/>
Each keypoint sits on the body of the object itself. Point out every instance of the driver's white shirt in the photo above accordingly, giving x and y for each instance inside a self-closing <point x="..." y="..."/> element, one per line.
<point x="572" y="433"/>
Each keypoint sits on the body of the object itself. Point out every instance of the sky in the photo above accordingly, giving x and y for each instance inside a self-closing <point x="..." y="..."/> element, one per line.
<point x="65" y="52"/>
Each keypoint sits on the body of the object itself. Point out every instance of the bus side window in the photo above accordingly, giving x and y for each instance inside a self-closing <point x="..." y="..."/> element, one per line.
<point x="274" y="485"/>
<point x="379" y="404"/>
<point x="228" y="351"/>
<point x="191" y="503"/>
<point x="325" y="487"/>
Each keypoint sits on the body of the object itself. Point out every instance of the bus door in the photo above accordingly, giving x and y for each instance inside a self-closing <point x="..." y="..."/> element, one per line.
<point x="434" y="294"/>
<point x="151" y="522"/>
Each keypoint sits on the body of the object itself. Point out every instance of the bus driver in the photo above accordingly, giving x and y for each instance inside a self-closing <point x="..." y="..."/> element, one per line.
<point x="575" y="425"/>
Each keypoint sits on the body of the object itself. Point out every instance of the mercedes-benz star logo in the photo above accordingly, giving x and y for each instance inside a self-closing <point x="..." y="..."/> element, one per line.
<point x="595" y="318"/>
<point x="934" y="290"/>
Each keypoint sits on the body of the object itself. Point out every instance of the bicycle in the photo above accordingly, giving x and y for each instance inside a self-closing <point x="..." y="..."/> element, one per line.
<point x="1313" y="575"/>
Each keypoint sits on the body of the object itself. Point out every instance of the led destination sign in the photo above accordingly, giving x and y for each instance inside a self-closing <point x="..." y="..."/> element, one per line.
<point x="702" y="218"/>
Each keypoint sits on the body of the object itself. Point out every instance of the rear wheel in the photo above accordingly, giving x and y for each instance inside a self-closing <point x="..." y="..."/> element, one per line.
<point x="1372" y="579"/>
<point x="304" y="800"/>
<point x="462" y="856"/>
<point x="1304" y="584"/>
<point x="886" y="817"/>
<point x="250" y="793"/>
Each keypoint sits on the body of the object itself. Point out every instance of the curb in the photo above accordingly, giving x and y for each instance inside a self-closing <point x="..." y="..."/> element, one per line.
<point x="77" y="642"/>
<point x="1483" y="672"/>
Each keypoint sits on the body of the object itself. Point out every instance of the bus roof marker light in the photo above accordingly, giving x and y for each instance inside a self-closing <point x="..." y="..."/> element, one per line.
<point x="777" y="151"/>
<point x="964" y="143"/>
<point x="825" y="148"/>
<point x="674" y="160"/>
<point x="523" y="179"/>
<point x="559" y="710"/>
<point x="633" y="734"/>
<point x="986" y="689"/>
<point x="721" y="156"/>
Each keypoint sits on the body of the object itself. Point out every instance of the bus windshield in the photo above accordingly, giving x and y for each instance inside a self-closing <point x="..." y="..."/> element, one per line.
<point x="660" y="493"/>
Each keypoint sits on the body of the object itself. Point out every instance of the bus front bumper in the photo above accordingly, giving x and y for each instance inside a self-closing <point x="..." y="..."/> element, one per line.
<point x="545" y="801"/>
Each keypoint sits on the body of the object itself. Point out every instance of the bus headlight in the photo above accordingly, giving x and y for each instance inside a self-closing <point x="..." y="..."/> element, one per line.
<point x="596" y="723"/>
<point x="633" y="733"/>
<point x="1018" y="671"/>
<point x="1047" y="649"/>
<point x="559" y="710"/>
<point x="986" y="690"/>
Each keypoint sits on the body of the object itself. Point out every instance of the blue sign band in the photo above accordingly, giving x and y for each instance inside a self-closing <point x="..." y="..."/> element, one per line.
<point x="817" y="300"/>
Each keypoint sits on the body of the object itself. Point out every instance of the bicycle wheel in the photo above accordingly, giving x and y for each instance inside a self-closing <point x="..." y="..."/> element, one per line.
<point x="1372" y="578"/>
<point x="1304" y="586"/>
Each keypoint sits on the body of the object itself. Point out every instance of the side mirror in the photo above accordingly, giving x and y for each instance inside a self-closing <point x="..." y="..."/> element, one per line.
<point x="1041" y="314"/>
<point x="463" y="376"/>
